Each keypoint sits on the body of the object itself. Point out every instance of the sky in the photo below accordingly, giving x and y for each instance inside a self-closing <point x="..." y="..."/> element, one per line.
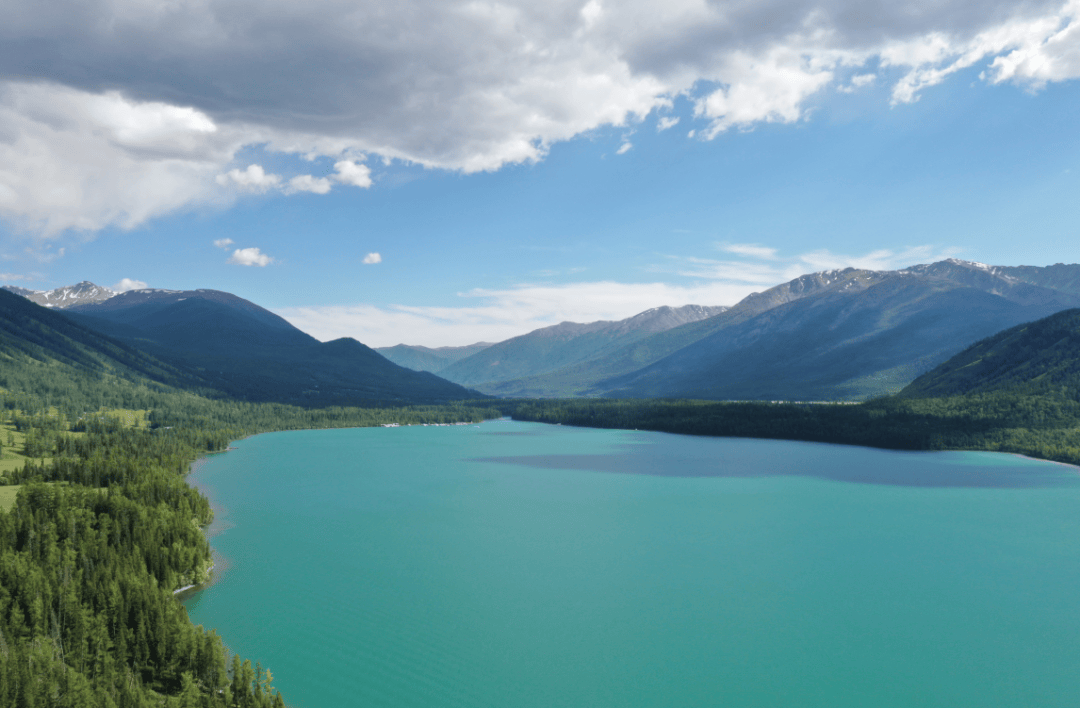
<point x="441" y="172"/>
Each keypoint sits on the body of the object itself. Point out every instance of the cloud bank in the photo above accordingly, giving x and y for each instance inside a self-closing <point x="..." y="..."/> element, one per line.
<point x="113" y="112"/>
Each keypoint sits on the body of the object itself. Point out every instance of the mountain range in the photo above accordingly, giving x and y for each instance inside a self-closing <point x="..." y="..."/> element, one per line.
<point x="846" y="334"/>
<point x="840" y="334"/>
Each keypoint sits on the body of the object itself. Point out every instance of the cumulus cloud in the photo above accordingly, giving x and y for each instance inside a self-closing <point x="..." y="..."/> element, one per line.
<point x="250" y="257"/>
<point x="253" y="179"/>
<point x="624" y="148"/>
<point x="95" y="134"/>
<point x="74" y="160"/>
<point x="666" y="122"/>
<point x="352" y="173"/>
<point x="128" y="284"/>
<point x="372" y="258"/>
<point x="308" y="183"/>
<point x="223" y="243"/>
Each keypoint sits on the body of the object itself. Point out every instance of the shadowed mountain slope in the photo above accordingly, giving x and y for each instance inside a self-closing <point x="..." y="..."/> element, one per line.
<point x="585" y="377"/>
<point x="247" y="351"/>
<point x="34" y="336"/>
<point x="846" y="343"/>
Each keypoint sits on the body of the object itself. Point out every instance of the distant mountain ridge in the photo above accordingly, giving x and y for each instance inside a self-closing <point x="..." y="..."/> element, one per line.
<point x="838" y="334"/>
<point x="553" y="348"/>
<point x="853" y="342"/>
<point x="433" y="359"/>
<point x="67" y="296"/>
<point x="586" y="377"/>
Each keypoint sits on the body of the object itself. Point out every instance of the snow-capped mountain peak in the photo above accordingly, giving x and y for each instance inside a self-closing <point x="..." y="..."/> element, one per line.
<point x="82" y="293"/>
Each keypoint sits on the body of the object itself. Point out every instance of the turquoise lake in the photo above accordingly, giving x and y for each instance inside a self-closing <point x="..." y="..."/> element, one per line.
<point x="518" y="564"/>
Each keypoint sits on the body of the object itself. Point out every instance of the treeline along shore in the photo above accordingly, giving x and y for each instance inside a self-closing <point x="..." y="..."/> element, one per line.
<point x="104" y="527"/>
<point x="1037" y="427"/>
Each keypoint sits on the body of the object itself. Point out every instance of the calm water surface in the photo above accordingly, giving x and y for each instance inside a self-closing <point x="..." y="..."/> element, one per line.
<point x="517" y="564"/>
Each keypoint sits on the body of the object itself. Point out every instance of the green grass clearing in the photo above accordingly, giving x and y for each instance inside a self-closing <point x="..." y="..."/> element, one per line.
<point x="7" y="496"/>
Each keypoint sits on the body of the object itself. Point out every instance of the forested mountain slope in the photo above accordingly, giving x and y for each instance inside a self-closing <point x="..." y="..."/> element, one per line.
<point x="1039" y="358"/>
<point x="246" y="351"/>
<point x="34" y="340"/>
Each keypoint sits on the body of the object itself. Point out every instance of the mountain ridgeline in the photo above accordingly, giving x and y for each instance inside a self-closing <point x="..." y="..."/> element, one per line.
<point x="847" y="334"/>
<point x="245" y="351"/>
<point x="850" y="334"/>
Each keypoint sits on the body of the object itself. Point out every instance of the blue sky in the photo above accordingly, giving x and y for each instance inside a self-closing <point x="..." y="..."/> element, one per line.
<point x="488" y="169"/>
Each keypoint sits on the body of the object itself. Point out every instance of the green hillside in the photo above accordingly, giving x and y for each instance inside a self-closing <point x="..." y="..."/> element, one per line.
<point x="1039" y="358"/>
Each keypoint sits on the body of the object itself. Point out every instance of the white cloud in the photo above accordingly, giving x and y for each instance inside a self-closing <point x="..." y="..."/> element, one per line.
<point x="371" y="258"/>
<point x="128" y="284"/>
<point x="253" y="179"/>
<point x="223" y="243"/>
<point x="858" y="81"/>
<point x="352" y="173"/>
<point x="250" y="257"/>
<point x="768" y="88"/>
<point x="624" y="148"/>
<point x="92" y="134"/>
<point x="666" y="122"/>
<point x="308" y="183"/>
<point x="73" y="160"/>
<point x="500" y="314"/>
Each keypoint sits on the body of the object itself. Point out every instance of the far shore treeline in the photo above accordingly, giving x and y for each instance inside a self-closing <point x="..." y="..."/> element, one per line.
<point x="104" y="527"/>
